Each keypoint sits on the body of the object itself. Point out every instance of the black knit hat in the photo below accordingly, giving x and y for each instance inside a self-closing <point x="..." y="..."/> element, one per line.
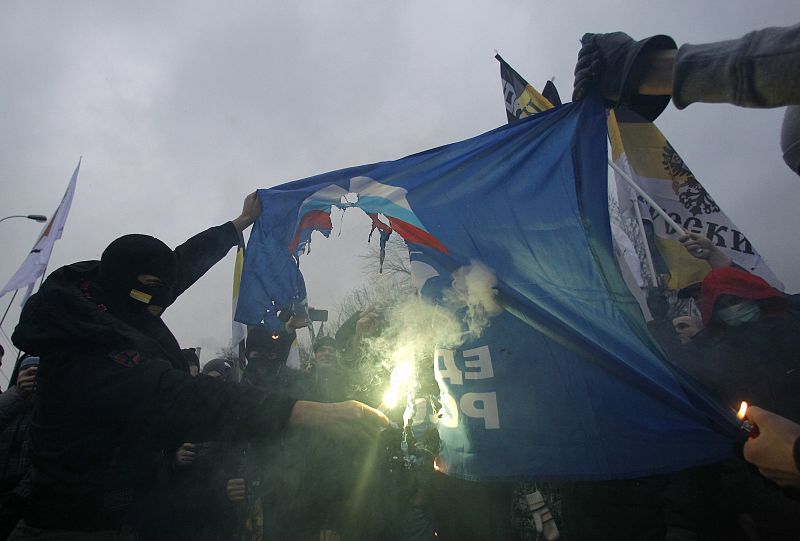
<point x="324" y="341"/>
<point x="223" y="366"/>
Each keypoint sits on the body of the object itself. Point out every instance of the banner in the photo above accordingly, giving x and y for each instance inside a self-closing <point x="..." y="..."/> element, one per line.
<point x="565" y="380"/>
<point x="640" y="149"/>
<point x="35" y="264"/>
<point x="522" y="100"/>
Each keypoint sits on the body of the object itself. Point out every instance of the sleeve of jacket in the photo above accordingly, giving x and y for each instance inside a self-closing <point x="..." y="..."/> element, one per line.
<point x="178" y="407"/>
<point x="760" y="69"/>
<point x="201" y="252"/>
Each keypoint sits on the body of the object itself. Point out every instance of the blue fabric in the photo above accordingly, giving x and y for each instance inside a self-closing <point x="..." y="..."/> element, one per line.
<point x="577" y="388"/>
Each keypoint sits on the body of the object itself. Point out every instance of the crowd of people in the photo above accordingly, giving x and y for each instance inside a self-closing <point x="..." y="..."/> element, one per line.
<point x="109" y="430"/>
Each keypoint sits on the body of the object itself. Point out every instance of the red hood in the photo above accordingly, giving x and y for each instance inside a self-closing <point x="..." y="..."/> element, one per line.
<point x="739" y="283"/>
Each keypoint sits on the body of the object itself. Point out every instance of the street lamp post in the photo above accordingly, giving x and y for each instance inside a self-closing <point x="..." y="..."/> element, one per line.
<point x="34" y="217"/>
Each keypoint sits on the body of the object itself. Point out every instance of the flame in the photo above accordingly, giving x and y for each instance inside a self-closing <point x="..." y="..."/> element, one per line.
<point x="401" y="380"/>
<point x="436" y="466"/>
<point x="742" y="411"/>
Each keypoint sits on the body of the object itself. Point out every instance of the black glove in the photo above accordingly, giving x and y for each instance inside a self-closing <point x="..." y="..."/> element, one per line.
<point x="612" y="65"/>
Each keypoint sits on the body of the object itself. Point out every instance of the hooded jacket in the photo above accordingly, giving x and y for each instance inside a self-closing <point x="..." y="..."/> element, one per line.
<point x="739" y="283"/>
<point x="111" y="396"/>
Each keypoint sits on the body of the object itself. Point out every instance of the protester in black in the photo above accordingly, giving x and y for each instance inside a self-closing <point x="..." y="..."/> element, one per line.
<point x="266" y="353"/>
<point x="114" y="388"/>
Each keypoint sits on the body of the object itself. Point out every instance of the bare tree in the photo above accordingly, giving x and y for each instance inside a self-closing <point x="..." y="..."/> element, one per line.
<point x="396" y="263"/>
<point x="383" y="288"/>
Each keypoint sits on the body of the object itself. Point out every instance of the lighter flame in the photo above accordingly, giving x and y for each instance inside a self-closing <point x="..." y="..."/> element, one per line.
<point x="436" y="466"/>
<point x="742" y="411"/>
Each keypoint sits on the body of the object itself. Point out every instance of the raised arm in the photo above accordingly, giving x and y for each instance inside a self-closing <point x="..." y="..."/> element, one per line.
<point x="204" y="250"/>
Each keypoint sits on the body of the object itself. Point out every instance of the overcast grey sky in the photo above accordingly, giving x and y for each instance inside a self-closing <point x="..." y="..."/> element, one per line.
<point x="180" y="109"/>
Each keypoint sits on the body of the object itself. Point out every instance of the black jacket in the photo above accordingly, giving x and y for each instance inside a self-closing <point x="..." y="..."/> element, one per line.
<point x="110" y="397"/>
<point x="758" y="362"/>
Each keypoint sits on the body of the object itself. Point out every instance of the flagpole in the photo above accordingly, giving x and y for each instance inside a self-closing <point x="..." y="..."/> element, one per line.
<point x="647" y="198"/>
<point x="645" y="244"/>
<point x="44" y="273"/>
<point x="9" y="306"/>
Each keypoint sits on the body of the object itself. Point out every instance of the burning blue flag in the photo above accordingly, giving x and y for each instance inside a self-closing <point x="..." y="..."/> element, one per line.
<point x="563" y="382"/>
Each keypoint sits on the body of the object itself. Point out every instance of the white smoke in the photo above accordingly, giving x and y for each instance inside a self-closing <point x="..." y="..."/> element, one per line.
<point x="412" y="328"/>
<point x="473" y="291"/>
<point x="465" y="311"/>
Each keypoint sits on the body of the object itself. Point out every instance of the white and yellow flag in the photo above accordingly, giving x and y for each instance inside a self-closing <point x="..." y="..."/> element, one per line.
<point x="639" y="148"/>
<point x="35" y="264"/>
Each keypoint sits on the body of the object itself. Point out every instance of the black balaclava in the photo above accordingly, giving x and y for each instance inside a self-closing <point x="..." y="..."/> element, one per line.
<point x="123" y="261"/>
<point x="262" y="340"/>
<point x="126" y="298"/>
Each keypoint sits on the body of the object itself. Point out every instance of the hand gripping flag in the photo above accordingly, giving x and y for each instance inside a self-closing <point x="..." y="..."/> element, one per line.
<point x="35" y="264"/>
<point x="564" y="382"/>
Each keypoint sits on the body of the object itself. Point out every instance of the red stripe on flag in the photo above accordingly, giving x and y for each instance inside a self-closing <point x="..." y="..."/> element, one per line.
<point x="314" y="220"/>
<point x="415" y="235"/>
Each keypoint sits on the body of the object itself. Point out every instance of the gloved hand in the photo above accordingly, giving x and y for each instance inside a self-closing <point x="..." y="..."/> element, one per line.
<point x="613" y="65"/>
<point x="600" y="65"/>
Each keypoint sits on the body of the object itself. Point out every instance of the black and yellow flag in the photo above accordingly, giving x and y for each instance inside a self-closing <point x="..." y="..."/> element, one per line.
<point x="521" y="98"/>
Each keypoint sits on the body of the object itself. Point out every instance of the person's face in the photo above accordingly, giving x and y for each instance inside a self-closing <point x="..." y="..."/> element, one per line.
<point x="194" y="370"/>
<point x="325" y="357"/>
<point x="686" y="327"/>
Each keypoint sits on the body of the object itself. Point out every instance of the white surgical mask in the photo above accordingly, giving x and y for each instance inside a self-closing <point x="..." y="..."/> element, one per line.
<point x="735" y="315"/>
